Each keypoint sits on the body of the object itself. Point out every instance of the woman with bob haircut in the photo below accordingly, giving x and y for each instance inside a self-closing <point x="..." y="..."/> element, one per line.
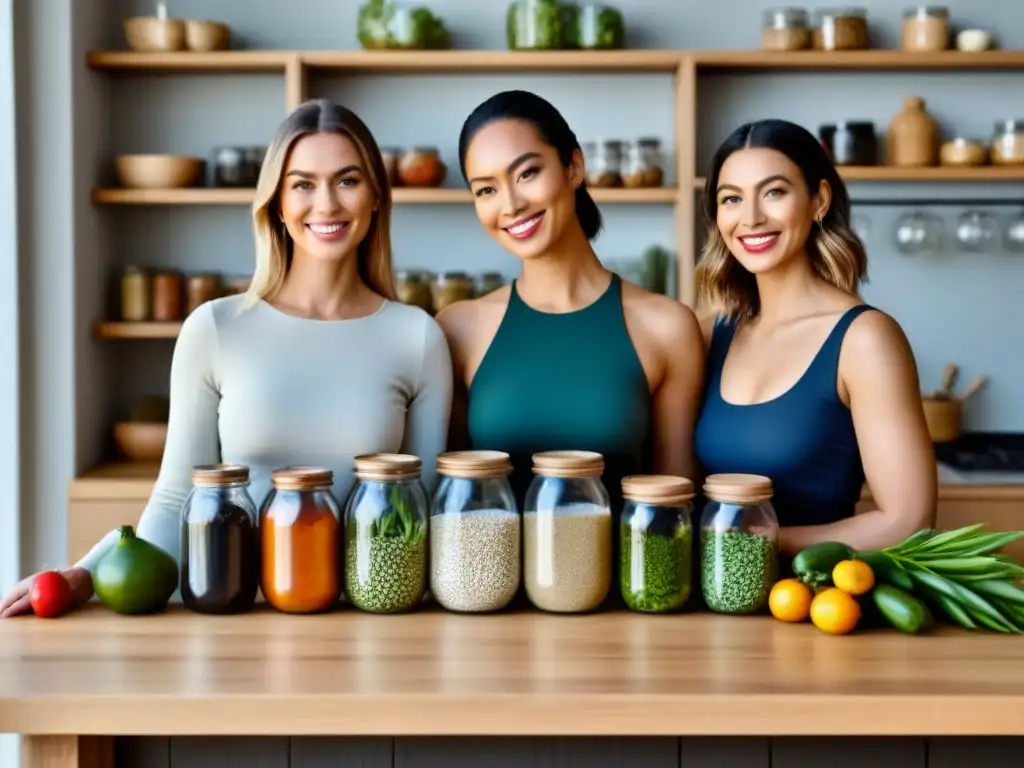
<point x="318" y="362"/>
<point x="806" y="384"/>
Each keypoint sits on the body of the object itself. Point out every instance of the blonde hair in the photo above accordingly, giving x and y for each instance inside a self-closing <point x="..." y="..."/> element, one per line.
<point x="836" y="253"/>
<point x="274" y="245"/>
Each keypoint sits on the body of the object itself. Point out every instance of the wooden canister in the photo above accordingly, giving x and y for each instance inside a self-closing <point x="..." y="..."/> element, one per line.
<point x="913" y="136"/>
<point x="943" y="416"/>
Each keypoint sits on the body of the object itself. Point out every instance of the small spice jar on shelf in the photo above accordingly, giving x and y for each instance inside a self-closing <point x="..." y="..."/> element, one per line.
<point x="850" y="142"/>
<point x="449" y="288"/>
<point x="643" y="167"/>
<point x="1008" y="142"/>
<point x="421" y="167"/>
<point x="200" y="289"/>
<point x="656" y="543"/>
<point x="168" y="296"/>
<point x="841" y="29"/>
<point x="301" y="539"/>
<point x="567" y="533"/>
<point x="925" y="28"/>
<point x="220" y="551"/>
<point x="739" y="543"/>
<point x="604" y="163"/>
<point x="475" y="533"/>
<point x="386" y="534"/>
<point x="414" y="288"/>
<point x="785" y="29"/>
<point x="136" y="295"/>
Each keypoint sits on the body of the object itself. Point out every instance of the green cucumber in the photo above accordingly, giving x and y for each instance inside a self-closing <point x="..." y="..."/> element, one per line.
<point x="907" y="613"/>
<point x="887" y="572"/>
<point x="814" y="565"/>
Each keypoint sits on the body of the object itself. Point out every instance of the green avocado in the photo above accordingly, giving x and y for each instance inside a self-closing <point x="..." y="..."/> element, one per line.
<point x="135" y="577"/>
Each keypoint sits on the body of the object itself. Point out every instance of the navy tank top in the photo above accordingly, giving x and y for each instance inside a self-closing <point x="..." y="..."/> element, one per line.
<point x="804" y="439"/>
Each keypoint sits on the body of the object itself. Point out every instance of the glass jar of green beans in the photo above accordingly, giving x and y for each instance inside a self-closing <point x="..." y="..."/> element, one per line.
<point x="656" y="542"/>
<point x="739" y="543"/>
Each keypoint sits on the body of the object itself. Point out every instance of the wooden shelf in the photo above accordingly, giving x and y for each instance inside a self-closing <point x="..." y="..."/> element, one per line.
<point x="857" y="60"/>
<point x="982" y="174"/>
<point x="400" y="196"/>
<point x="188" y="62"/>
<point x="120" y="330"/>
<point x="472" y="61"/>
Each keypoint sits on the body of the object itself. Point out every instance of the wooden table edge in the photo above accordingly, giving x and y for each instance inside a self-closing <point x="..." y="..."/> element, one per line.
<point x="623" y="715"/>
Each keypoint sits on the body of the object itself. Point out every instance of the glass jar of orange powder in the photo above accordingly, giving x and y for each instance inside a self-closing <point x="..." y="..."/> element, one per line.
<point x="300" y="536"/>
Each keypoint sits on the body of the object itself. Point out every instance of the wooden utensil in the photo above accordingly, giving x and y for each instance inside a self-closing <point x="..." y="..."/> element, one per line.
<point x="973" y="386"/>
<point x="949" y="376"/>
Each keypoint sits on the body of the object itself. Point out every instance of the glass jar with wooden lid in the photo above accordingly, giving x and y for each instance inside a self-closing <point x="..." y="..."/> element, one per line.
<point x="656" y="542"/>
<point x="567" y="532"/>
<point x="1008" y="142"/>
<point x="925" y="28"/>
<point x="300" y="537"/>
<point x="220" y="551"/>
<point x="386" y="534"/>
<point x="841" y="29"/>
<point x="739" y="543"/>
<point x="785" y="29"/>
<point x="451" y="287"/>
<point x="136" y="294"/>
<point x="414" y="289"/>
<point x="475" y="533"/>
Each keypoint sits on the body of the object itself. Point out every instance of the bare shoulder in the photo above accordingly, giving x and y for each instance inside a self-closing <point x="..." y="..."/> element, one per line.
<point x="668" y="321"/>
<point x="466" y="322"/>
<point x="875" y="338"/>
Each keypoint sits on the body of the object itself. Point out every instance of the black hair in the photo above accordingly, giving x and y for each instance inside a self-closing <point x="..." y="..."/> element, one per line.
<point x="553" y="130"/>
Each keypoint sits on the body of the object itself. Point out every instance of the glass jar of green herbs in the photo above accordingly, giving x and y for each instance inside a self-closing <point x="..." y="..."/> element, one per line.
<point x="386" y="534"/>
<point x="656" y="542"/>
<point x="739" y="543"/>
<point x="600" y="27"/>
<point x="537" y="25"/>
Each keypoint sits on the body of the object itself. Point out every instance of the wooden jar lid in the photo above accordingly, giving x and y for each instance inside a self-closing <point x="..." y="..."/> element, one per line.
<point x="737" y="488"/>
<point x="387" y="466"/>
<point x="219" y="475"/>
<point x="657" y="489"/>
<point x="474" y="464"/>
<point x="302" y="478"/>
<point x="568" y="464"/>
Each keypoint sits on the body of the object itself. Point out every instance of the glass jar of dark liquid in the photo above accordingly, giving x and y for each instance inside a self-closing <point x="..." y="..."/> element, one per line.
<point x="219" y="542"/>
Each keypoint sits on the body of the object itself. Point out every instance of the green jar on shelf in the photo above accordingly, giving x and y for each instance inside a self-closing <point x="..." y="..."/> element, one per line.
<point x="599" y="27"/>
<point x="536" y="25"/>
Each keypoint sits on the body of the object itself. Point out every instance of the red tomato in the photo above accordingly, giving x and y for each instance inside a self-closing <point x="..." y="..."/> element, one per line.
<point x="50" y="595"/>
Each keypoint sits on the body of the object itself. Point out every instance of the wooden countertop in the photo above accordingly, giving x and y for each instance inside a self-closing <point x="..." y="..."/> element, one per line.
<point x="435" y="673"/>
<point x="129" y="480"/>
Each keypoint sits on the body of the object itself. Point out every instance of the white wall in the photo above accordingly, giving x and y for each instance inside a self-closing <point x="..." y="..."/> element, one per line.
<point x="10" y="501"/>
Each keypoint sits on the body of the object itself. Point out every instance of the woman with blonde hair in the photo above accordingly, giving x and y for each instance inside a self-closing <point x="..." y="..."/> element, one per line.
<point x="318" y="362"/>
<point x="806" y="384"/>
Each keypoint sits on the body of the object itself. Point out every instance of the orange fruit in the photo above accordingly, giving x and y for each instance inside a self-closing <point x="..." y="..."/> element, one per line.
<point x="854" y="577"/>
<point x="834" y="611"/>
<point x="790" y="600"/>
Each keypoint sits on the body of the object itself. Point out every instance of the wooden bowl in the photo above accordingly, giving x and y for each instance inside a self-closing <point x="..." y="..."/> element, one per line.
<point x="202" y="35"/>
<point x="141" y="440"/>
<point x="943" y="416"/>
<point x="150" y="33"/>
<point x="158" y="171"/>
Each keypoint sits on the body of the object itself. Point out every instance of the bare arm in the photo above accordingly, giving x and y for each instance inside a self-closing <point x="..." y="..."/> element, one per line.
<point x="677" y="401"/>
<point x="426" y="431"/>
<point x="879" y="376"/>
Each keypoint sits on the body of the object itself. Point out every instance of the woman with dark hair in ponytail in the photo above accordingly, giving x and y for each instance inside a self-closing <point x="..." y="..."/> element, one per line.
<point x="569" y="356"/>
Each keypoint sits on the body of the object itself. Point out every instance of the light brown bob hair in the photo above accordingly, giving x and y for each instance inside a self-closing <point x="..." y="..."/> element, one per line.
<point x="274" y="245"/>
<point x="836" y="252"/>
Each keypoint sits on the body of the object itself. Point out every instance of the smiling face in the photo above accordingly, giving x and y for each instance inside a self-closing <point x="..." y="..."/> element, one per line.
<point x="765" y="212"/>
<point x="524" y="196"/>
<point x="327" y="202"/>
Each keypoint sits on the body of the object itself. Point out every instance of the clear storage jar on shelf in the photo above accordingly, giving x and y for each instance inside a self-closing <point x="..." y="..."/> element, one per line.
<point x="841" y="29"/>
<point x="785" y="29"/>
<point x="603" y="160"/>
<point x="567" y="532"/>
<point x="642" y="166"/>
<point x="739" y="543"/>
<point x="386" y="534"/>
<point x="600" y="27"/>
<point x="656" y="542"/>
<point x="301" y="539"/>
<point x="220" y="552"/>
<point x="475" y="533"/>
<point x="537" y="25"/>
<point x="1008" y="142"/>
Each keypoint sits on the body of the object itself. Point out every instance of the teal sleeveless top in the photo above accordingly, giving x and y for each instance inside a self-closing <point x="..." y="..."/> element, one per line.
<point x="570" y="381"/>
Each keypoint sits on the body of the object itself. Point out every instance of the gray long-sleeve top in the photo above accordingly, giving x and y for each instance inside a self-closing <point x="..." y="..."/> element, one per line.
<point x="266" y="389"/>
